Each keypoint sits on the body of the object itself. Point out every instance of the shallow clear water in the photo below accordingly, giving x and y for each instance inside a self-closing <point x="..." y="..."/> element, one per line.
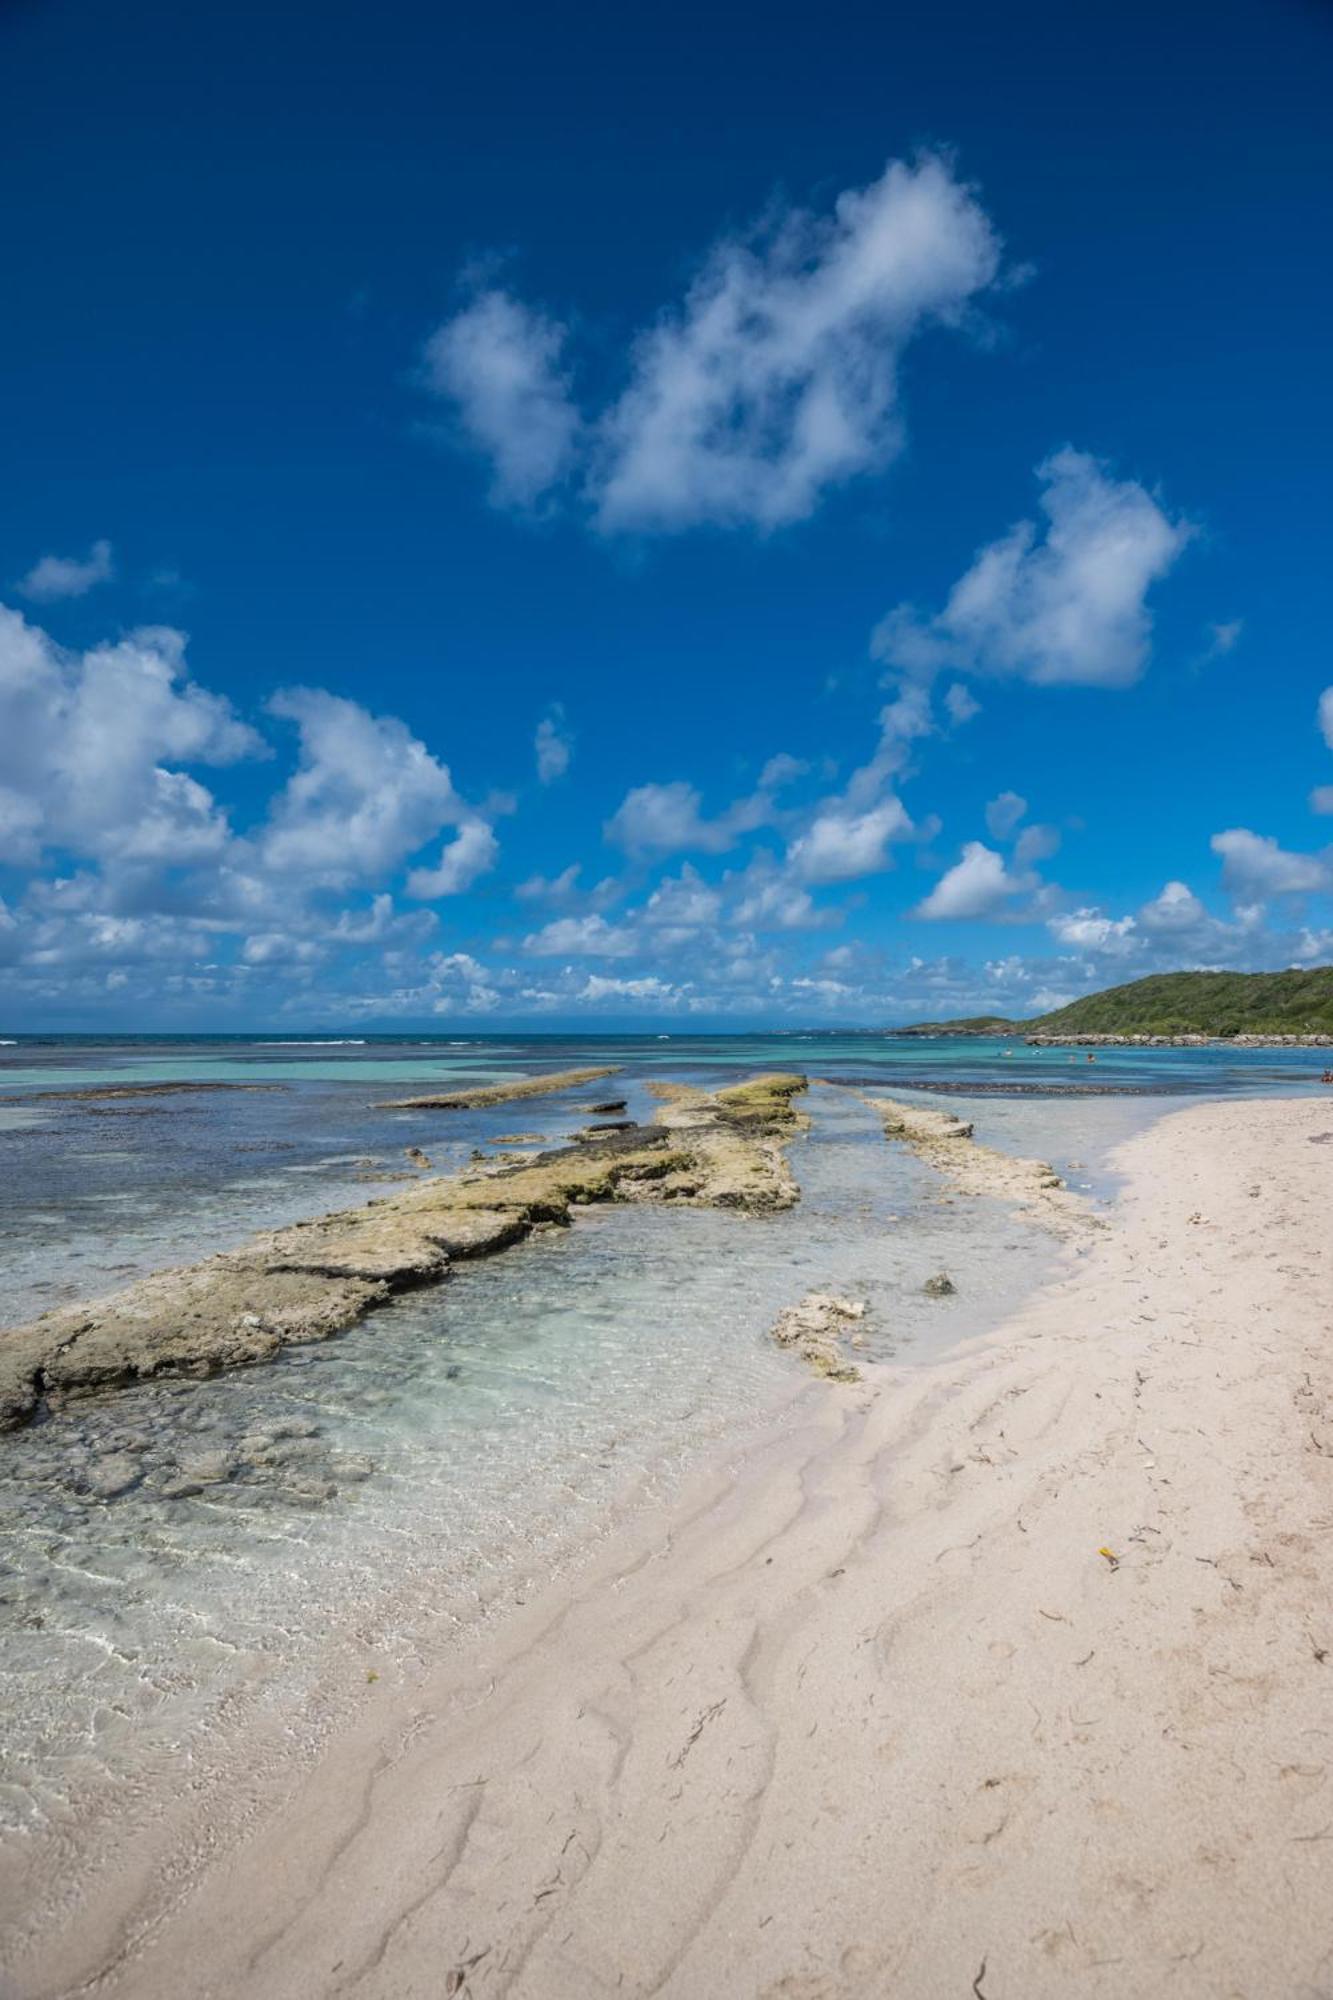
<point x="385" y="1487"/>
<point x="97" y="1191"/>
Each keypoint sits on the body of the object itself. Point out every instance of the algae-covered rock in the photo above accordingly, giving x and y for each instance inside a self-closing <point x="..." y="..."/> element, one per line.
<point x="941" y="1286"/>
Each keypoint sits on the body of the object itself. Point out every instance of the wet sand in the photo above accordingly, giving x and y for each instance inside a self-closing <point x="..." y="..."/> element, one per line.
<point x="1009" y="1676"/>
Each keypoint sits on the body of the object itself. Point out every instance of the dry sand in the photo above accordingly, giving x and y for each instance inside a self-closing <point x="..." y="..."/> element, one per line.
<point x="877" y="1713"/>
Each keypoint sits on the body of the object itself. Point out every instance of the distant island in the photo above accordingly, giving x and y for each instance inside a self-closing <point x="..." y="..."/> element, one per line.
<point x="1282" y="1007"/>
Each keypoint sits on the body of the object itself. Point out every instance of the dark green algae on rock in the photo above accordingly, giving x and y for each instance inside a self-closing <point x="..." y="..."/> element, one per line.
<point x="312" y="1280"/>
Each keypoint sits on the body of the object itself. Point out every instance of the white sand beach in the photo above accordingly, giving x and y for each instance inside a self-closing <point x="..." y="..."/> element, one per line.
<point x="1010" y="1677"/>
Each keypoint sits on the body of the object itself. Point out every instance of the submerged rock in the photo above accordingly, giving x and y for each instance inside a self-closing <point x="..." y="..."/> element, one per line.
<point x="179" y="1488"/>
<point x="208" y="1468"/>
<point x="112" y="1475"/>
<point x="941" y="1286"/>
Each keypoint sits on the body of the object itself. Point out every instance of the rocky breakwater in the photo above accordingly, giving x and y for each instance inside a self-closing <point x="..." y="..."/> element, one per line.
<point x="949" y="1145"/>
<point x="1091" y="1041"/>
<point x="314" y="1279"/>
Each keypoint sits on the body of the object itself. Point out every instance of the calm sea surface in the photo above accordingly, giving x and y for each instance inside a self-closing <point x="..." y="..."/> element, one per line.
<point x="434" y="1461"/>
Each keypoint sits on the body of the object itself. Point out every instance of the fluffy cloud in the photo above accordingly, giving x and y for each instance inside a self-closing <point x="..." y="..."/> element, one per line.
<point x="839" y="846"/>
<point x="1326" y="715"/>
<point x="1254" y="866"/>
<point x="134" y="864"/>
<point x="499" y="364"/>
<point x="553" y="746"/>
<point x="682" y="903"/>
<point x="580" y="937"/>
<point x="775" y="379"/>
<point x="55" y="577"/>
<point x="472" y="852"/>
<point x="977" y="886"/>
<point x="1090" y="930"/>
<point x="365" y="796"/>
<point x="598" y="987"/>
<point x="778" y="377"/>
<point x="1175" y="909"/>
<point x="1064" y="604"/>
<point x="88" y="742"/>
<point x="669" y="819"/>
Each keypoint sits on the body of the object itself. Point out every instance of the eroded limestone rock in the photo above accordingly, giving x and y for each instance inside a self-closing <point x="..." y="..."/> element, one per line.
<point x="814" y="1328"/>
<point x="947" y="1143"/>
<point x="481" y="1095"/>
<point x="313" y="1279"/>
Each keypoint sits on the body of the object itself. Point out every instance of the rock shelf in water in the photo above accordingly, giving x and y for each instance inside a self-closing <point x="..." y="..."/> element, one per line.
<point x="948" y="1145"/>
<point x="95" y="1091"/>
<point x="314" y="1279"/>
<point x="483" y="1094"/>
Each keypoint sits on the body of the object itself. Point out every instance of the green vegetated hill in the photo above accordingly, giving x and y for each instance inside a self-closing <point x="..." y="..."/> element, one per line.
<point x="1203" y="1003"/>
<point x="1176" y="1003"/>
<point x="967" y="1024"/>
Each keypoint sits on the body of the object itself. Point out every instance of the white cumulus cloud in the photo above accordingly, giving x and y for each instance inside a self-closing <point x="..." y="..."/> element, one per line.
<point x="838" y="846"/>
<point x="1061" y="604"/>
<point x="472" y="852"/>
<point x="365" y="796"/>
<point x="669" y="819"/>
<point x="1091" y="930"/>
<point x="977" y="886"/>
<point x="588" y="937"/>
<point x="1254" y="866"/>
<point x="88" y="742"/>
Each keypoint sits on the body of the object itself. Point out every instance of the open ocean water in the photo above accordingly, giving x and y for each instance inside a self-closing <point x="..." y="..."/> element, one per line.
<point x="433" y="1462"/>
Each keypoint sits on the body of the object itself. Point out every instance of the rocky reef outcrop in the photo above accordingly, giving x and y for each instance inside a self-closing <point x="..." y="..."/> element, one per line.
<point x="314" y="1279"/>
<point x="948" y="1144"/>
<point x="481" y="1095"/>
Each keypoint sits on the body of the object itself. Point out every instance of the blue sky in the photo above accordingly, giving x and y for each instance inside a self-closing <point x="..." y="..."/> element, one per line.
<point x="599" y="515"/>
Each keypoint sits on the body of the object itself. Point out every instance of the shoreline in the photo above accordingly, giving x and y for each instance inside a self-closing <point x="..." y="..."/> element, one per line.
<point x="1011" y="1657"/>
